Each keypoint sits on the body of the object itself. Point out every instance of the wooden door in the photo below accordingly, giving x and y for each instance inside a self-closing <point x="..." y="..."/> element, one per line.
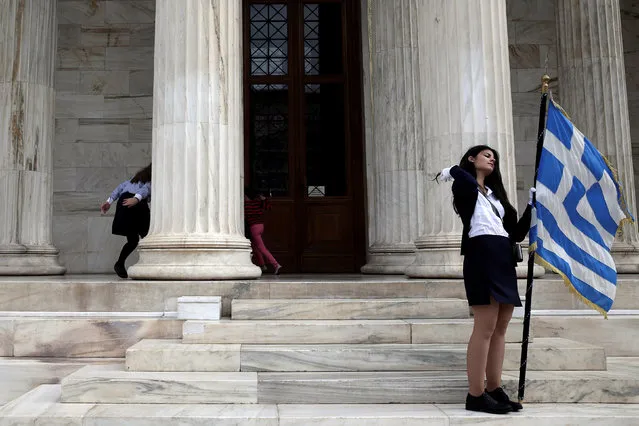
<point x="303" y="130"/>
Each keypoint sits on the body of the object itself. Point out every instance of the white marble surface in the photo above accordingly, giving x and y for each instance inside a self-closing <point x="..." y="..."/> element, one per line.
<point x="27" y="128"/>
<point x="594" y="93"/>
<point x="111" y="384"/>
<point x="85" y="337"/>
<point x="456" y="331"/>
<point x="199" y="307"/>
<point x="394" y="134"/>
<point x="543" y="354"/>
<point x="174" y="355"/>
<point x="196" y="230"/>
<point x="329" y="309"/>
<point x="296" y="331"/>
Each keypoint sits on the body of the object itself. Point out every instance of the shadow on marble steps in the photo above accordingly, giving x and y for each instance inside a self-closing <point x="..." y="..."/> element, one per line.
<point x="114" y="385"/>
<point x="347" y="309"/>
<point x="336" y="331"/>
<point x="173" y="355"/>
<point x="80" y="336"/>
<point x="42" y="404"/>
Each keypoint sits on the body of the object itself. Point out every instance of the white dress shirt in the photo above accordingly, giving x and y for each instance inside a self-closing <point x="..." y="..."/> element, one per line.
<point x="484" y="220"/>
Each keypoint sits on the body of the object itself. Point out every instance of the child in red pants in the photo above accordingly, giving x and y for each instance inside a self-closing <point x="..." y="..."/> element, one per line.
<point x="254" y="207"/>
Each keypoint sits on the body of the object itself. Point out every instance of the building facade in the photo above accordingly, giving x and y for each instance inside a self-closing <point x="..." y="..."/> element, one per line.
<point x="342" y="109"/>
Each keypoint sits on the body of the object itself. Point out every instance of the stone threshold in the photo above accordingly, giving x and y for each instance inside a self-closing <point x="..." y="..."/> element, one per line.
<point x="78" y="314"/>
<point x="42" y="406"/>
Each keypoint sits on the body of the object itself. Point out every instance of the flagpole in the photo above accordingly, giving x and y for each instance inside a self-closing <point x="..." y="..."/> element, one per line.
<point x="531" y="256"/>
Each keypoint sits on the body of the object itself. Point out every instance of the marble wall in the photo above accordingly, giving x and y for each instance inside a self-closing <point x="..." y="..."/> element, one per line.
<point x="104" y="82"/>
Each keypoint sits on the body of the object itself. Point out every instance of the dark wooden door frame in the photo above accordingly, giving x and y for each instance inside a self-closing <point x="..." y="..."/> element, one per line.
<point x="295" y="80"/>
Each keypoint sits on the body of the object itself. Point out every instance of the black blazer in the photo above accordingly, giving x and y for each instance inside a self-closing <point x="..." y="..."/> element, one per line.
<point x="466" y="191"/>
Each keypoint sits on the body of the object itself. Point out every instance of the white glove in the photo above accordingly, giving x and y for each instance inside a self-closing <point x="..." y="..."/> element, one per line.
<point x="445" y="175"/>
<point x="530" y="195"/>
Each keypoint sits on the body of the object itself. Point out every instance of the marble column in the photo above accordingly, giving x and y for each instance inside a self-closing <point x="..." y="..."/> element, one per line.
<point x="197" y="196"/>
<point x="28" y="35"/>
<point x="394" y="134"/>
<point x="592" y="82"/>
<point x="465" y="82"/>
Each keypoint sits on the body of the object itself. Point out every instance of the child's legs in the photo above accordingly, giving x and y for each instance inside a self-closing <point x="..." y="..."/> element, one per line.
<point x="256" y="233"/>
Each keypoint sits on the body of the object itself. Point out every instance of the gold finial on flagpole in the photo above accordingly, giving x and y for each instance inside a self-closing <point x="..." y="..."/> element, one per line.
<point x="545" y="83"/>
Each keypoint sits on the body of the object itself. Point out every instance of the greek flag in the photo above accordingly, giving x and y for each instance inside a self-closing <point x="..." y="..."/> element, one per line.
<point x="578" y="213"/>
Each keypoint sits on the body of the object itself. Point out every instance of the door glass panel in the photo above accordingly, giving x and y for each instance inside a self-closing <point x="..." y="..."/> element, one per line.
<point x="269" y="138"/>
<point x="325" y="141"/>
<point x="269" y="39"/>
<point x="322" y="38"/>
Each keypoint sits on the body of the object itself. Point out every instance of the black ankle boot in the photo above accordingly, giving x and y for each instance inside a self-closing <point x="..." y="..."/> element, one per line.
<point x="485" y="403"/>
<point x="500" y="396"/>
<point x="120" y="270"/>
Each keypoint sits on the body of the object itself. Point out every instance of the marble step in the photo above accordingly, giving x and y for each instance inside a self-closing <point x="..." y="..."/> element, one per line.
<point x="618" y="335"/>
<point x="610" y="387"/>
<point x="336" y="331"/>
<point x="350" y="309"/>
<point x="114" y="385"/>
<point x="99" y="336"/>
<point x="173" y="355"/>
<point x="42" y="407"/>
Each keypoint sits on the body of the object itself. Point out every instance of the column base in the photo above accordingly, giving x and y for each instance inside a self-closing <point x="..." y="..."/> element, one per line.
<point x="446" y="262"/>
<point x="626" y="257"/>
<point x="194" y="258"/>
<point x="30" y="260"/>
<point x="390" y="261"/>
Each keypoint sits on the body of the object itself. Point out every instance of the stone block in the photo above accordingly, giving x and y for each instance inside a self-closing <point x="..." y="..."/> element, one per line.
<point x="68" y="35"/>
<point x="76" y="263"/>
<point x="113" y="385"/>
<point x="134" y="107"/>
<point x="67" y="81"/>
<point x="173" y="355"/>
<point x="454" y="331"/>
<point x="143" y="35"/>
<point x="199" y="307"/>
<point x="530" y="10"/>
<point x="101" y="262"/>
<point x="524" y="56"/>
<point x="103" y="179"/>
<point x="130" y="12"/>
<point x="129" y="58"/>
<point x="125" y="154"/>
<point x="141" y="131"/>
<point x="87" y="337"/>
<point x="81" y="12"/>
<point x="70" y="105"/>
<point x="529" y="80"/>
<point x="328" y="309"/>
<point x="70" y="233"/>
<point x="77" y="202"/>
<point x="141" y="82"/>
<point x="104" y="36"/>
<point x="6" y="338"/>
<point x="81" y="58"/>
<point x="296" y="331"/>
<point x="104" y="83"/>
<point x="64" y="179"/>
<point x="526" y="104"/>
<point x="535" y="32"/>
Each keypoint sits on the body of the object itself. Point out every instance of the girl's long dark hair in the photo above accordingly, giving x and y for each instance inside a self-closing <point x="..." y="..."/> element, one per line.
<point x="493" y="181"/>
<point x="143" y="175"/>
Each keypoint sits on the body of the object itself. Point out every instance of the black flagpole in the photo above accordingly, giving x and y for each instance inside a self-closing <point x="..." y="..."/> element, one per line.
<point x="531" y="257"/>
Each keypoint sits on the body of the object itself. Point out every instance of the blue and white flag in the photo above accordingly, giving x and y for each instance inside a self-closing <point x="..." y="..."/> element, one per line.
<point x="578" y="213"/>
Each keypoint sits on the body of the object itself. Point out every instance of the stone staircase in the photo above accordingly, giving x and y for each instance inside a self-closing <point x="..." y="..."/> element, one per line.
<point x="275" y="359"/>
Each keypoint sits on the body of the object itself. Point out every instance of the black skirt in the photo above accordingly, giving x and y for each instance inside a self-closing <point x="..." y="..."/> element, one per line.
<point x="131" y="220"/>
<point x="489" y="270"/>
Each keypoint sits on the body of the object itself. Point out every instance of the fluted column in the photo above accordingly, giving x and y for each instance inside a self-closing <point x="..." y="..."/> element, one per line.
<point x="28" y="33"/>
<point x="465" y="77"/>
<point x="393" y="103"/>
<point x="593" y="91"/>
<point x="197" y="197"/>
